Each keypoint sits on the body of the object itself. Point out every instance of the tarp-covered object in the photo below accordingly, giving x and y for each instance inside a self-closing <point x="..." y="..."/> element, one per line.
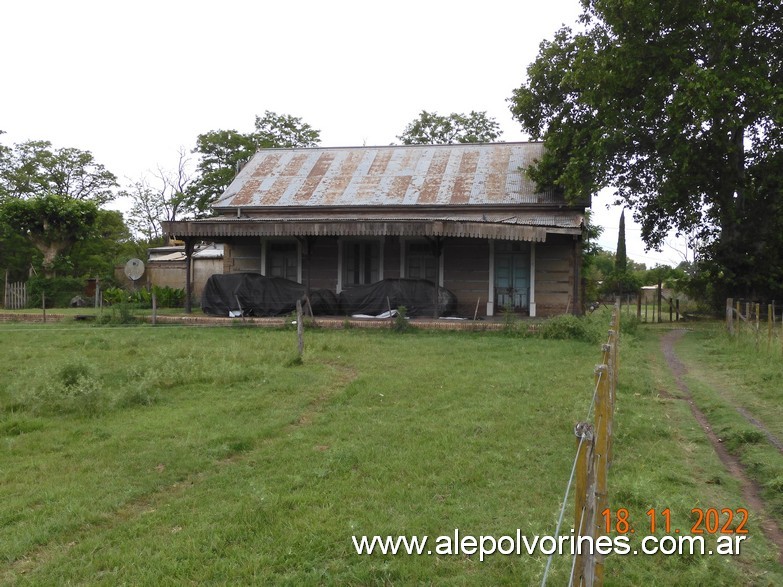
<point x="253" y="294"/>
<point x="417" y="295"/>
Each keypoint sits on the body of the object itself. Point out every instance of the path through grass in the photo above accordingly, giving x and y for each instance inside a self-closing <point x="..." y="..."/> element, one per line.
<point x="199" y="455"/>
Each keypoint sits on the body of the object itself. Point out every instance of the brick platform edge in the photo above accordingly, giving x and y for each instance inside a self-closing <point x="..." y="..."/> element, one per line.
<point x="325" y="322"/>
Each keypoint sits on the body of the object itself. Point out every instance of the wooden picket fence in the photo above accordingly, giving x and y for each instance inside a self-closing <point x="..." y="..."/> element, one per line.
<point x="15" y="297"/>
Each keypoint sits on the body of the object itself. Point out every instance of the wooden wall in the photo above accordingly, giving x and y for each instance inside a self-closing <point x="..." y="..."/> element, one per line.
<point x="466" y="273"/>
<point x="555" y="276"/>
<point x="465" y="264"/>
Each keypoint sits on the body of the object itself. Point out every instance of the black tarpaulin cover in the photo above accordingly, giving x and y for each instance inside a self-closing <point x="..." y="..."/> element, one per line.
<point x="417" y="295"/>
<point x="253" y="294"/>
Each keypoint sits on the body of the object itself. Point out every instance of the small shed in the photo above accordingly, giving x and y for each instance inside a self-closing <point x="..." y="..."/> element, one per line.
<point x="166" y="266"/>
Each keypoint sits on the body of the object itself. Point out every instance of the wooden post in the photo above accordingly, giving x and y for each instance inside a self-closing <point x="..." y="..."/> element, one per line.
<point x="738" y="316"/>
<point x="584" y="506"/>
<point x="770" y="318"/>
<point x="602" y="417"/>
<point x="660" y="296"/>
<point x="189" y="244"/>
<point x="729" y="316"/>
<point x="154" y="309"/>
<point x="299" y="327"/>
<point x="758" y="312"/>
<point x="43" y="305"/>
<point x="671" y="310"/>
<point x="639" y="306"/>
<point x="677" y="309"/>
<point x="5" y="291"/>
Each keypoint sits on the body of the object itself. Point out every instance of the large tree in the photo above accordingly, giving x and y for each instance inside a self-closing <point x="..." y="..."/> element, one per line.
<point x="35" y="168"/>
<point x="223" y="152"/>
<point x="52" y="223"/>
<point x="430" y="128"/>
<point x="677" y="107"/>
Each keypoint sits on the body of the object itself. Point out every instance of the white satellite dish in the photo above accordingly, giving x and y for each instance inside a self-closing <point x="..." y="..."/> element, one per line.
<point x="134" y="269"/>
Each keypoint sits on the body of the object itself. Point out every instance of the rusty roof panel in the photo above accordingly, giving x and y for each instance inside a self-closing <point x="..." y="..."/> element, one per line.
<point x="471" y="174"/>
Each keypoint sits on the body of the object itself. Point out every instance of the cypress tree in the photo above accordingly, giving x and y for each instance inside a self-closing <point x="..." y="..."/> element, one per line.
<point x="621" y="258"/>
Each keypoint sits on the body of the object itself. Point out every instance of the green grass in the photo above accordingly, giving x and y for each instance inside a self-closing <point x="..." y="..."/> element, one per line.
<point x="728" y="376"/>
<point x="207" y="455"/>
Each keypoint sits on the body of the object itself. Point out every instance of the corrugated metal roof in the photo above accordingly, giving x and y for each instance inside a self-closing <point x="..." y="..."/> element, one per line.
<point x="414" y="175"/>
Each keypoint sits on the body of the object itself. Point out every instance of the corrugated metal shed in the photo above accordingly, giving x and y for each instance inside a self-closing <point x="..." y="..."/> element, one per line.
<point x="416" y="175"/>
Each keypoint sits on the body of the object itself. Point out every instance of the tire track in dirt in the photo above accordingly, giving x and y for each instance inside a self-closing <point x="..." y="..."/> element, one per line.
<point x="751" y="491"/>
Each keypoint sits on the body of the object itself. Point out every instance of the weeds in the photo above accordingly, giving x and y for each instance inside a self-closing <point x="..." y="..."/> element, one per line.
<point x="401" y="323"/>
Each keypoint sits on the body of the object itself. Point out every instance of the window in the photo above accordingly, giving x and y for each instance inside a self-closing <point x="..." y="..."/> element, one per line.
<point x="361" y="262"/>
<point x="282" y="260"/>
<point x="420" y="263"/>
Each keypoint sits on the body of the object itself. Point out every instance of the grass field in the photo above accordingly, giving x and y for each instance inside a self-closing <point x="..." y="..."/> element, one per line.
<point x="170" y="455"/>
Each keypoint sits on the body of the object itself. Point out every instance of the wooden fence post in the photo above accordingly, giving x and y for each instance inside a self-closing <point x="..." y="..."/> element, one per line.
<point x="299" y="327"/>
<point x="602" y="419"/>
<point x="154" y="309"/>
<point x="730" y="316"/>
<point x="584" y="501"/>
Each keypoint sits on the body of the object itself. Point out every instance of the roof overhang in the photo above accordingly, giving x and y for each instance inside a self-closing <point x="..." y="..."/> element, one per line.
<point x="515" y="228"/>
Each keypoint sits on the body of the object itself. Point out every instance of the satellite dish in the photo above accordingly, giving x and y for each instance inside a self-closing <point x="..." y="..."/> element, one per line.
<point x="134" y="269"/>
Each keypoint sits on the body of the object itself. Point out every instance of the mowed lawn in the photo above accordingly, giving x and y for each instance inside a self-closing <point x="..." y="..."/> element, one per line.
<point x="169" y="455"/>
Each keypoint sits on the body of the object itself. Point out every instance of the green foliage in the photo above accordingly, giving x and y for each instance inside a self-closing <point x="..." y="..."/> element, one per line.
<point x="431" y="129"/>
<point x="321" y="436"/>
<point x="35" y="168"/>
<point x="401" y="323"/>
<point x="109" y="245"/>
<point x="167" y="297"/>
<point x="284" y="131"/>
<point x="52" y="223"/>
<point x="621" y="257"/>
<point x="568" y="327"/>
<point x="58" y="290"/>
<point x="675" y="107"/>
<point x="223" y="152"/>
<point x="620" y="282"/>
<point x="73" y="388"/>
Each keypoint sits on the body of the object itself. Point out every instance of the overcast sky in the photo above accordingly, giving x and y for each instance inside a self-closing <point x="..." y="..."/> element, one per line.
<point x="134" y="82"/>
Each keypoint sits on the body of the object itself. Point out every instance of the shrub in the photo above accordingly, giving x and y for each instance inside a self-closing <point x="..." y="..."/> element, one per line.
<point x="569" y="327"/>
<point x="401" y="320"/>
<point x="71" y="389"/>
<point x="58" y="290"/>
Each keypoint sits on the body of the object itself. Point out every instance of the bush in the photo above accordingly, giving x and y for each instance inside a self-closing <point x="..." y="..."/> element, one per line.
<point x="71" y="389"/>
<point x="401" y="320"/>
<point x="167" y="297"/>
<point x="58" y="290"/>
<point x="569" y="327"/>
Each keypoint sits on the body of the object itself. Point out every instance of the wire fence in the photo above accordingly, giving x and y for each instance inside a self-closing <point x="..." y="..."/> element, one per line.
<point x="591" y="465"/>
<point x="756" y="322"/>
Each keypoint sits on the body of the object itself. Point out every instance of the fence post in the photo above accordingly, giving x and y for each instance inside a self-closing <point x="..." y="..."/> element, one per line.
<point x="299" y="328"/>
<point x="154" y="309"/>
<point x="730" y="316"/>
<point x="584" y="502"/>
<point x="600" y="459"/>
